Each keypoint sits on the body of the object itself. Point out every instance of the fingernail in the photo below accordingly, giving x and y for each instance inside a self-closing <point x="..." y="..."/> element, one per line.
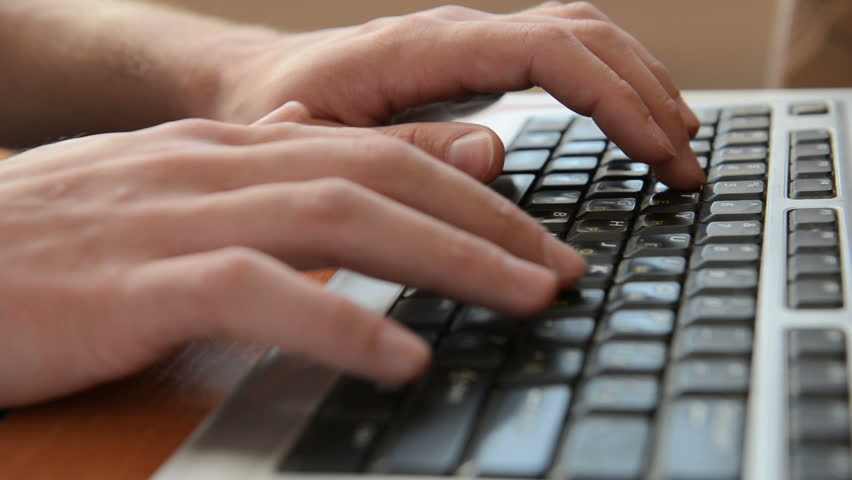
<point x="570" y="264"/>
<point x="698" y="177"/>
<point x="403" y="355"/>
<point x="472" y="153"/>
<point x="661" y="138"/>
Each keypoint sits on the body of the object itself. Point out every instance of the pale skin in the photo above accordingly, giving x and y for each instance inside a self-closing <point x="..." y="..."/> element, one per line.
<point x="119" y="248"/>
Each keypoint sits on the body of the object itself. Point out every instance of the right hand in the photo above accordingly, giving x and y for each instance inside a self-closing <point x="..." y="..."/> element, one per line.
<point x="117" y="249"/>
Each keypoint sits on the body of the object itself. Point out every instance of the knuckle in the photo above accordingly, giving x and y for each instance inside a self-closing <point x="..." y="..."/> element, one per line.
<point x="453" y="11"/>
<point x="233" y="266"/>
<point x="333" y="202"/>
<point x="209" y="130"/>
<point x="601" y="31"/>
<point x="584" y="9"/>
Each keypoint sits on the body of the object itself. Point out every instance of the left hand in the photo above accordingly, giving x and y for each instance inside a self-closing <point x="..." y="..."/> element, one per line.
<point x="363" y="75"/>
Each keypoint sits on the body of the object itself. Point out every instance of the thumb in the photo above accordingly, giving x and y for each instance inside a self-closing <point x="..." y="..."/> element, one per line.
<point x="474" y="149"/>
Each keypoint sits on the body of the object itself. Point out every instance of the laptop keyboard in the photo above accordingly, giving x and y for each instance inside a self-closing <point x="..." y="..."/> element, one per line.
<point x="643" y="370"/>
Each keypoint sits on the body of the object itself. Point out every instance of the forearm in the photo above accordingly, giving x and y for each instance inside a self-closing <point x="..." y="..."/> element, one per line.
<point x="94" y="66"/>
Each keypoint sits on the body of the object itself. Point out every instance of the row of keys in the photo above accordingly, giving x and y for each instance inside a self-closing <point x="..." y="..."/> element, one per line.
<point x="814" y="270"/>
<point x="818" y="415"/>
<point x="811" y="165"/>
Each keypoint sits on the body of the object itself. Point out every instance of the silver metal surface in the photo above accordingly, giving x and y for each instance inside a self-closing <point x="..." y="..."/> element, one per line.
<point x="250" y="434"/>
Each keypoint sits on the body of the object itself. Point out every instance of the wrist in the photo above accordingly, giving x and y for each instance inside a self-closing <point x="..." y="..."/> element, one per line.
<point x="211" y="68"/>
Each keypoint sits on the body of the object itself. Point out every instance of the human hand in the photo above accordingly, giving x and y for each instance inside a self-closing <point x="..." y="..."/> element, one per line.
<point x="120" y="248"/>
<point x="364" y="75"/>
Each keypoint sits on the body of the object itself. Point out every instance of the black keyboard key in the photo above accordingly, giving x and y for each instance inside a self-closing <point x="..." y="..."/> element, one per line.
<point x="809" y="108"/>
<point x="721" y="310"/>
<point x="563" y="331"/>
<point x="543" y="364"/>
<point x="709" y="376"/>
<point x="620" y="393"/>
<point x="626" y="356"/>
<point x="596" y="248"/>
<point x="809" y="136"/>
<point x="583" y="148"/>
<point x="701" y="439"/>
<point x="599" y="229"/>
<point x="811" y="169"/>
<point x="721" y="281"/>
<point x="812" y="377"/>
<point x="552" y="199"/>
<point x="652" y="324"/>
<point x="555" y="221"/>
<point x="821" y="463"/>
<point x="748" y="231"/>
<point x="536" y="140"/>
<point x="739" y="154"/>
<point x="332" y="446"/>
<point x="439" y="421"/>
<point x="598" y="275"/>
<point x="809" y="265"/>
<point x="732" y="210"/>
<point x="359" y="400"/>
<point x="615" y="188"/>
<point x="813" y="219"/>
<point x="812" y="241"/>
<point x="584" y="128"/>
<point x="817" y="151"/>
<point x="674" y="222"/>
<point x="815" y="294"/>
<point x="725" y="255"/>
<point x="576" y="303"/>
<point x="711" y="341"/>
<point x="647" y="244"/>
<point x="520" y="431"/>
<point x="670" y="201"/>
<point x="736" y="190"/>
<point x="513" y="187"/>
<point x="432" y="312"/>
<point x="472" y="349"/>
<point x="746" y="110"/>
<point x="525" y="160"/>
<point x="605" y="448"/>
<point x="742" y="138"/>
<point x="706" y="132"/>
<point x="817" y="342"/>
<point x="651" y="268"/>
<point x="700" y="147"/>
<point x="728" y="172"/>
<point x="644" y="294"/>
<point x="572" y="164"/>
<point x="608" y="208"/>
<point x="820" y="421"/>
<point x="614" y="170"/>
<point x="544" y="123"/>
<point x="483" y="320"/>
<point x="812" y="188"/>
<point x="707" y="116"/>
<point x="565" y="180"/>
<point x="758" y="122"/>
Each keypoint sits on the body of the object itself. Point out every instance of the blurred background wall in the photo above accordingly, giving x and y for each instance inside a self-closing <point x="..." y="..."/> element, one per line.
<point x="707" y="44"/>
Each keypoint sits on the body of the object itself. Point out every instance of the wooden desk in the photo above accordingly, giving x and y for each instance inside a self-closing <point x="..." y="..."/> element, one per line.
<point x="124" y="430"/>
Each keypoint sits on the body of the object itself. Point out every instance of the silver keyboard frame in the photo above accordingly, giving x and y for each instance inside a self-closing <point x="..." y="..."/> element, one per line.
<point x="248" y="436"/>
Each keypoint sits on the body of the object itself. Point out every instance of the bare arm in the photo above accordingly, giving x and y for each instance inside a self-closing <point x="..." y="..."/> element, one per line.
<point x="95" y="66"/>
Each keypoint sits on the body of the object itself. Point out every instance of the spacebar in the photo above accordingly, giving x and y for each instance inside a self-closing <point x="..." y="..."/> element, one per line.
<point x="432" y="435"/>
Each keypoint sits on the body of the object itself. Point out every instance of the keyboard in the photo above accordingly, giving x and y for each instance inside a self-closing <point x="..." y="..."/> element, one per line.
<point x="650" y="367"/>
<point x="645" y="367"/>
